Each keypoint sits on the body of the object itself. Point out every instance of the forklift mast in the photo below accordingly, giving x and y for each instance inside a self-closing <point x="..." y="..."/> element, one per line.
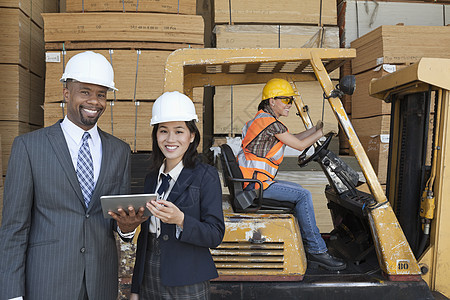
<point x="418" y="175"/>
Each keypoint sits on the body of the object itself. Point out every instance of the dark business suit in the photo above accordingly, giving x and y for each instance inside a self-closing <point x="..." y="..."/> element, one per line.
<point x="49" y="239"/>
<point x="187" y="260"/>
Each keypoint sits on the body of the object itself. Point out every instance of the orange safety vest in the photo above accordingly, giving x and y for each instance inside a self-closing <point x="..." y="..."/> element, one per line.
<point x="253" y="166"/>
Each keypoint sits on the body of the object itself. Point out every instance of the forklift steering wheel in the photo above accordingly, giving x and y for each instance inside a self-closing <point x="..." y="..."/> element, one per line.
<point x="304" y="161"/>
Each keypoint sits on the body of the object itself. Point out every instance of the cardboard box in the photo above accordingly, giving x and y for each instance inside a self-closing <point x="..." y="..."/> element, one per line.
<point x="363" y="105"/>
<point x="33" y="8"/>
<point x="185" y="7"/>
<point x="22" y="95"/>
<point x="281" y="12"/>
<point x="377" y="149"/>
<point x="372" y="125"/>
<point x="9" y="130"/>
<point x="21" y="41"/>
<point x="400" y="45"/>
<point x="145" y="85"/>
<point x="356" y="18"/>
<point x="276" y="36"/>
<point x="106" y="27"/>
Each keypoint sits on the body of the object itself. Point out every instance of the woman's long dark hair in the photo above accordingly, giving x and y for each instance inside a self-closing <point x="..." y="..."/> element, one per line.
<point x="263" y="104"/>
<point x="189" y="157"/>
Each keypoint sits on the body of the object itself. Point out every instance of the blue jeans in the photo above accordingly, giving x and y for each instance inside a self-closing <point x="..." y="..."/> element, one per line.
<point x="304" y="212"/>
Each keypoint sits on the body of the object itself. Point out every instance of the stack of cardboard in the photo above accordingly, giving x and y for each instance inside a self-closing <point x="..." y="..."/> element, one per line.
<point x="136" y="41"/>
<point x="289" y="24"/>
<point x="382" y="51"/>
<point x="281" y="12"/>
<point x="22" y="67"/>
<point x="359" y="17"/>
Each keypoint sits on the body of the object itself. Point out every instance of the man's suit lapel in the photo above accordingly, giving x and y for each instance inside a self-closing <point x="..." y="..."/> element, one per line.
<point x="58" y="142"/>
<point x="183" y="182"/>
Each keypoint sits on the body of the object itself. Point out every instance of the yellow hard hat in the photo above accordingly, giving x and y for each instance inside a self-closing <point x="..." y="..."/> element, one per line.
<point x="277" y="87"/>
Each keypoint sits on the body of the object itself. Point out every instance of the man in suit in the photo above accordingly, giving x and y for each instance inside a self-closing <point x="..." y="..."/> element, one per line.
<point x="55" y="242"/>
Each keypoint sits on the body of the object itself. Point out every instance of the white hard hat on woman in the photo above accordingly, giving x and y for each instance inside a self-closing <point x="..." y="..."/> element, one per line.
<point x="173" y="106"/>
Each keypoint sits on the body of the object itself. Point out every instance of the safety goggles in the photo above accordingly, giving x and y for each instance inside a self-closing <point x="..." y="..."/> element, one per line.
<point x="286" y="100"/>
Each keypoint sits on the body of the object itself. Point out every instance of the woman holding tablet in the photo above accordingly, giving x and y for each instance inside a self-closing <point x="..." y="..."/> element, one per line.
<point x="173" y="259"/>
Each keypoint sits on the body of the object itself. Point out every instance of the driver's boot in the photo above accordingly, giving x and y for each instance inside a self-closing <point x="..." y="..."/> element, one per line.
<point x="326" y="261"/>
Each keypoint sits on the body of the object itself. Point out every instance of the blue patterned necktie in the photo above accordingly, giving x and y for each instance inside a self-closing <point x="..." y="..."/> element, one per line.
<point x="85" y="169"/>
<point x="164" y="184"/>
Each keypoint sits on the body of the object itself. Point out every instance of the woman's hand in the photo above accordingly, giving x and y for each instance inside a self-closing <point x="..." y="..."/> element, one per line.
<point x="166" y="211"/>
<point x="319" y="125"/>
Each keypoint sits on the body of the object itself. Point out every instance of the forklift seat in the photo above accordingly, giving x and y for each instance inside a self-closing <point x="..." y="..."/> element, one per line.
<point x="247" y="200"/>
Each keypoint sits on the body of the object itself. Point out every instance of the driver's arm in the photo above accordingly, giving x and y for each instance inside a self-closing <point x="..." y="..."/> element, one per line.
<point x="304" y="134"/>
<point x="300" y="143"/>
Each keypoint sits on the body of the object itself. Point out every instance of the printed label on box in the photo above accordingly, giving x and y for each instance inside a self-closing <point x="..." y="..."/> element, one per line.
<point x="384" y="138"/>
<point x="54" y="57"/>
<point x="389" y="68"/>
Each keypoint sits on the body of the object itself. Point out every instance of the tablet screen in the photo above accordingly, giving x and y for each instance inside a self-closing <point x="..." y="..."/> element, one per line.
<point x="114" y="202"/>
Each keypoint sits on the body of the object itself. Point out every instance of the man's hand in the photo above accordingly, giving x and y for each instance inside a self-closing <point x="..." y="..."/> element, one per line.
<point x="128" y="222"/>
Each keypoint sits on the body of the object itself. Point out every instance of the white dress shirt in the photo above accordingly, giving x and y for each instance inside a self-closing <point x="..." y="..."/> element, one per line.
<point x="74" y="137"/>
<point x="155" y="223"/>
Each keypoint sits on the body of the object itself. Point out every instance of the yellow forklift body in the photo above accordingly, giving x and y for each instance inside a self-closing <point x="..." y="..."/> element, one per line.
<point x="428" y="75"/>
<point x="262" y="247"/>
<point x="189" y="68"/>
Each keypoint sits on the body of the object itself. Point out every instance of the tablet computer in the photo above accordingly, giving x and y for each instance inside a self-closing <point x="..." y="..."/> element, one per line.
<point x="114" y="202"/>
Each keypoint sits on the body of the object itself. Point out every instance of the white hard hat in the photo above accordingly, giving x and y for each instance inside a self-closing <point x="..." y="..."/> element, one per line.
<point x="90" y="67"/>
<point x="173" y="106"/>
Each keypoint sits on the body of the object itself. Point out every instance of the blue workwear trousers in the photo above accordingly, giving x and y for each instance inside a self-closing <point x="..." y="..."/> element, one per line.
<point x="304" y="212"/>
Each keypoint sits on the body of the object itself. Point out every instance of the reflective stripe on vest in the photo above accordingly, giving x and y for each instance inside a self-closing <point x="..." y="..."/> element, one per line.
<point x="253" y="166"/>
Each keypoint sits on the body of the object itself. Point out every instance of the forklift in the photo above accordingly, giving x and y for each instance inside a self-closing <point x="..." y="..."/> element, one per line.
<point x="262" y="255"/>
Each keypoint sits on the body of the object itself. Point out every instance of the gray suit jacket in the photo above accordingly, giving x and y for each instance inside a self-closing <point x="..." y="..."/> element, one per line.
<point x="49" y="240"/>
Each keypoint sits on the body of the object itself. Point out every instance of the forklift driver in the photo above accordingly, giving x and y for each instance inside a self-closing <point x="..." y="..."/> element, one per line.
<point x="264" y="139"/>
